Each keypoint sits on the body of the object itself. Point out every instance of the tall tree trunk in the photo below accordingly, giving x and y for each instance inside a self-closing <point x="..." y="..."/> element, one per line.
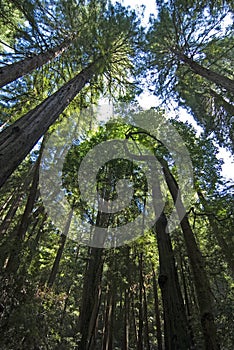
<point x="140" y="323"/>
<point x="134" y="324"/>
<point x="186" y="299"/>
<point x="210" y="75"/>
<point x="176" y="334"/>
<point x="17" y="140"/>
<point x="126" y="320"/>
<point x="218" y="235"/>
<point x="68" y="293"/>
<point x="146" y="323"/>
<point x="91" y="296"/>
<point x="107" y="333"/>
<point x="92" y="287"/>
<point x="58" y="257"/>
<point x="14" y="259"/>
<point x="16" y="70"/>
<point x="15" y="203"/>
<point x="201" y="281"/>
<point x="31" y="198"/>
<point x="157" y="312"/>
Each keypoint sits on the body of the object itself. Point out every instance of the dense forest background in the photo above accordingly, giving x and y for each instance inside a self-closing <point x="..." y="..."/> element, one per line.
<point x="167" y="289"/>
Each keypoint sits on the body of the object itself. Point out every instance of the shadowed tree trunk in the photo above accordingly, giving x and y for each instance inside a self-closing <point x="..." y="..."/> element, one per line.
<point x="16" y="70"/>
<point x="140" y="323"/>
<point x="92" y="287"/>
<point x="157" y="312"/>
<point x="18" y="139"/>
<point x="210" y="75"/>
<point x="176" y="334"/>
<point x="201" y="281"/>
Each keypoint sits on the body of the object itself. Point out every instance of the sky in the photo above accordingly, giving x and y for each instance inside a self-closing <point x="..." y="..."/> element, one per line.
<point x="147" y="100"/>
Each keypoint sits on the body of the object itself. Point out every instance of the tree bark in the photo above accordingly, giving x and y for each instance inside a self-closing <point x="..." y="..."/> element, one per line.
<point x="17" y="140"/>
<point x="210" y="75"/>
<point x="16" y="70"/>
<point x="201" y="281"/>
<point x="157" y="312"/>
<point x="126" y="319"/>
<point x="92" y="287"/>
<point x="107" y="332"/>
<point x="140" y="323"/>
<point x="176" y="334"/>
<point x="146" y="323"/>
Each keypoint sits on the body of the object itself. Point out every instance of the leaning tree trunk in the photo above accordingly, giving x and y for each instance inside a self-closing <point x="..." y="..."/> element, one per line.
<point x="210" y="75"/>
<point x="16" y="70"/>
<point x="201" y="281"/>
<point x="17" y="140"/>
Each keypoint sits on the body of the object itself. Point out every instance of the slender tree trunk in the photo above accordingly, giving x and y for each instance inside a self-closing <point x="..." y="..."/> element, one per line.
<point x="15" y="203"/>
<point x="210" y="75"/>
<point x="157" y="312"/>
<point x="146" y="323"/>
<point x="17" y="140"/>
<point x="31" y="198"/>
<point x="126" y="320"/>
<point x="7" y="203"/>
<point x="140" y="323"/>
<point x="186" y="299"/>
<point x="40" y="223"/>
<point x="108" y="321"/>
<point x="197" y="264"/>
<point x="58" y="257"/>
<point x="134" y="319"/>
<point x="16" y="70"/>
<point x="220" y="101"/>
<point x="229" y="257"/>
<point x="68" y="292"/>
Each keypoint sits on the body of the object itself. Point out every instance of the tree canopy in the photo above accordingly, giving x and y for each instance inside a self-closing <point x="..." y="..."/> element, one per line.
<point x="116" y="222"/>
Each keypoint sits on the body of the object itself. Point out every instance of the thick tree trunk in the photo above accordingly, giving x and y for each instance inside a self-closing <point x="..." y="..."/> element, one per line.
<point x="201" y="281"/>
<point x="91" y="296"/>
<point x="210" y="75"/>
<point x="17" y="140"/>
<point x="16" y="70"/>
<point x="92" y="287"/>
<point x="176" y="334"/>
